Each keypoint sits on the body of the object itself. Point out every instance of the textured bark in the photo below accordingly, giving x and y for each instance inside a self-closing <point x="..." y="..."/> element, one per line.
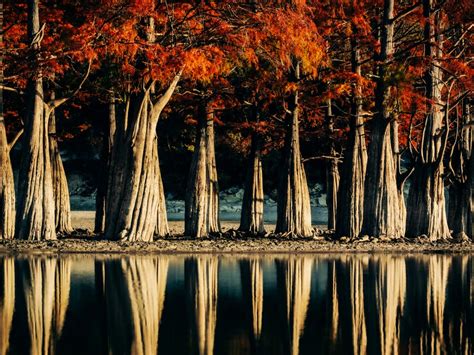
<point x="381" y="195"/>
<point x="7" y="186"/>
<point x="162" y="228"/>
<point x="251" y="218"/>
<point x="135" y="329"/>
<point x="293" y="203"/>
<point x="350" y="206"/>
<point x="332" y="174"/>
<point x="460" y="216"/>
<point x="426" y="202"/>
<point x="294" y="279"/>
<point x="35" y="199"/>
<point x="202" y="191"/>
<point x="133" y="186"/>
<point x="7" y="301"/>
<point x="99" y="224"/>
<point x="201" y="277"/>
<point x="62" y="206"/>
<point x="251" y="273"/>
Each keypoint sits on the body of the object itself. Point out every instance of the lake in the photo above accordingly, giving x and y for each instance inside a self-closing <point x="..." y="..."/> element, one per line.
<point x="228" y="304"/>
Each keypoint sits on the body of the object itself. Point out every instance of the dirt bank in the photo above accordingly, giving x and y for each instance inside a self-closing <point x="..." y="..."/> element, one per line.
<point x="85" y="242"/>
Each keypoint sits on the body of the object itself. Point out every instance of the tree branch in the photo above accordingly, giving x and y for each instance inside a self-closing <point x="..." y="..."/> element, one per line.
<point x="15" y="139"/>
<point x="165" y="98"/>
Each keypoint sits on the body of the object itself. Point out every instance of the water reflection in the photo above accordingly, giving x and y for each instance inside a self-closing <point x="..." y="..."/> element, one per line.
<point x="134" y="293"/>
<point x="207" y="304"/>
<point x="201" y="288"/>
<point x="7" y="300"/>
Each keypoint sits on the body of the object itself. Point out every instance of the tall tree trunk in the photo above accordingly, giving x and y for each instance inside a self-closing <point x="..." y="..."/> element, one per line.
<point x="460" y="207"/>
<point x="332" y="174"/>
<point x="132" y="194"/>
<point x="62" y="206"/>
<point x="99" y="225"/>
<point x="426" y="202"/>
<point x="350" y="206"/>
<point x="381" y="194"/>
<point x="251" y="218"/>
<point x="162" y="228"/>
<point x="293" y="203"/>
<point x="202" y="193"/>
<point x="7" y="186"/>
<point x="35" y="204"/>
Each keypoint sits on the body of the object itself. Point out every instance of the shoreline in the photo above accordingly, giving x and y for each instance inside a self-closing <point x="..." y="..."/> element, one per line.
<point x="174" y="245"/>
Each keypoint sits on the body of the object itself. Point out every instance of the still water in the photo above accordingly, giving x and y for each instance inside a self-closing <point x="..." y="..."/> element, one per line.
<point x="208" y="304"/>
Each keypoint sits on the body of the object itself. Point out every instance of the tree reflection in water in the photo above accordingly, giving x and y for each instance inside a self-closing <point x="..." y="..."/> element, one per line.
<point x="7" y="300"/>
<point x="294" y="282"/>
<point x="201" y="290"/>
<point x="298" y="304"/>
<point x="134" y="295"/>
<point x="46" y="283"/>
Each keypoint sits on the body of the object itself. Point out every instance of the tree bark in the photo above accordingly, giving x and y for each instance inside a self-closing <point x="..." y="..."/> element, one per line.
<point x="332" y="174"/>
<point x="202" y="192"/>
<point x="132" y="195"/>
<point x="460" y="217"/>
<point x="99" y="225"/>
<point x="293" y="204"/>
<point x="35" y="204"/>
<point x="162" y="229"/>
<point x="426" y="202"/>
<point x="7" y="186"/>
<point x="381" y="195"/>
<point x="62" y="206"/>
<point x="350" y="209"/>
<point x="251" y="218"/>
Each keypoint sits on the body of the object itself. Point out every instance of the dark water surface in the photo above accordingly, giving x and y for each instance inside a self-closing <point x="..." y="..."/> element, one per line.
<point x="207" y="304"/>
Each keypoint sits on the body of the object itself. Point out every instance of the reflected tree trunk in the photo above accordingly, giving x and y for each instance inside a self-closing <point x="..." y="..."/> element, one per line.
<point x="202" y="191"/>
<point x="356" y="289"/>
<point x="294" y="280"/>
<point x="7" y="301"/>
<point x="390" y="300"/>
<point x="39" y="287"/>
<point x="135" y="286"/>
<point x="252" y="287"/>
<point x="62" y="290"/>
<point x="433" y="339"/>
<point x="201" y="284"/>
